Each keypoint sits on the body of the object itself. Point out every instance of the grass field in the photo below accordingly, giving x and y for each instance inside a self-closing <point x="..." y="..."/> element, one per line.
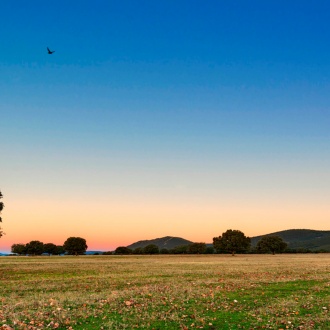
<point x="166" y="292"/>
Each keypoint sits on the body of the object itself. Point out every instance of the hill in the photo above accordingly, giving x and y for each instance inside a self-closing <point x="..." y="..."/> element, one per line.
<point x="167" y="242"/>
<point x="295" y="238"/>
<point x="301" y="239"/>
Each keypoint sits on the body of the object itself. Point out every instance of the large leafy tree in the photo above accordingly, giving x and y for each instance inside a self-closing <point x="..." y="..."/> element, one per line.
<point x="151" y="249"/>
<point x="181" y="249"/>
<point x="1" y="208"/>
<point x="138" y="250"/>
<point x="19" y="249"/>
<point x="271" y="244"/>
<point x="59" y="250"/>
<point x="75" y="245"/>
<point x="123" y="250"/>
<point x="197" y="248"/>
<point x="35" y="248"/>
<point x="232" y="241"/>
<point x="50" y="248"/>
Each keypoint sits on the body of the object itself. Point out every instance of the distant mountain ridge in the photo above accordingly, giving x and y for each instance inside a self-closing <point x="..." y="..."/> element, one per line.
<point x="301" y="239"/>
<point x="167" y="242"/>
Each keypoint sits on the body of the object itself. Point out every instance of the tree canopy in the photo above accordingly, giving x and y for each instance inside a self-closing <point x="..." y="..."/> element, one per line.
<point x="1" y="208"/>
<point x="50" y="248"/>
<point x="232" y="241"/>
<point x="75" y="245"/>
<point x="123" y="250"/>
<point x="151" y="249"/>
<point x="19" y="248"/>
<point x="196" y="248"/>
<point x="35" y="248"/>
<point x="272" y="243"/>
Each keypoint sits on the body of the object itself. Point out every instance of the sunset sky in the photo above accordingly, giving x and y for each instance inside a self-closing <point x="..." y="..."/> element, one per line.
<point x="163" y="118"/>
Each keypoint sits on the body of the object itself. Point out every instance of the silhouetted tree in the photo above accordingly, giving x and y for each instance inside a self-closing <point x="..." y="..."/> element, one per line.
<point x="50" y="248"/>
<point x="138" y="250"/>
<point x="164" y="251"/>
<point x="1" y="208"/>
<point x="181" y="249"/>
<point x="35" y="248"/>
<point x="196" y="248"/>
<point x="59" y="250"/>
<point x="75" y="245"/>
<point x="19" y="249"/>
<point x="151" y="249"/>
<point x="209" y="250"/>
<point x="232" y="241"/>
<point x="123" y="250"/>
<point x="272" y="243"/>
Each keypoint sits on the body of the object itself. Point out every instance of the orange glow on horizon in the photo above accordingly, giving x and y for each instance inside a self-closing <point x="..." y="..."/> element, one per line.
<point x="106" y="225"/>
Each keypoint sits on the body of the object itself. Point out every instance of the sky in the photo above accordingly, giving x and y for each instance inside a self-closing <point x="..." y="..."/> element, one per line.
<point x="163" y="118"/>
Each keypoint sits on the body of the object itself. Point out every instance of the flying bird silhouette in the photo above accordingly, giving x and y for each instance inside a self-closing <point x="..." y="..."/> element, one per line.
<point x="50" y="51"/>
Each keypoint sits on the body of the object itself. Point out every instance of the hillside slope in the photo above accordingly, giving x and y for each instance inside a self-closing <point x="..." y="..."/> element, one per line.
<point x="167" y="242"/>
<point x="301" y="239"/>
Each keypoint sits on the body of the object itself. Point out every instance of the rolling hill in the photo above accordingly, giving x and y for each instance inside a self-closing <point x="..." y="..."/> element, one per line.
<point x="295" y="238"/>
<point x="167" y="242"/>
<point x="301" y="239"/>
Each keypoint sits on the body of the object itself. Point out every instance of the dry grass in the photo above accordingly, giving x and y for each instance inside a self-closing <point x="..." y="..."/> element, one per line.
<point x="166" y="292"/>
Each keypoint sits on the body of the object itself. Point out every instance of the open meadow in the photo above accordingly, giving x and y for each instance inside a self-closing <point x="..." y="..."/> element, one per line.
<point x="166" y="292"/>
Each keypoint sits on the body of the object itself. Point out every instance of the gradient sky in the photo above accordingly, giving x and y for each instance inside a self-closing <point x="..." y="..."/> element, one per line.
<point x="156" y="118"/>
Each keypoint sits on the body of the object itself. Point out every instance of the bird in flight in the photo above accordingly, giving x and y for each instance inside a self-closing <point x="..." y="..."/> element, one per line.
<point x="50" y="51"/>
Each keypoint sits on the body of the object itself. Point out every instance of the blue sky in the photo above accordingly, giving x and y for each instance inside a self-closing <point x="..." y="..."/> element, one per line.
<point x="177" y="103"/>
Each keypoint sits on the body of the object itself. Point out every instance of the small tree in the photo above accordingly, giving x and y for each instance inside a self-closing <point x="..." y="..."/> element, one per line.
<point x="272" y="243"/>
<point x="19" y="249"/>
<point x="35" y="248"/>
<point x="138" y="250"/>
<point x="196" y="248"/>
<point x="151" y="249"/>
<point x="232" y="241"/>
<point x="123" y="250"/>
<point x="75" y="245"/>
<point x="1" y="208"/>
<point x="59" y="250"/>
<point x="181" y="249"/>
<point x="50" y="248"/>
<point x="209" y="250"/>
<point x="164" y="251"/>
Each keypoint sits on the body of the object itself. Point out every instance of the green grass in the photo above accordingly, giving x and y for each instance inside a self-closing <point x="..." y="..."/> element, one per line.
<point x="166" y="292"/>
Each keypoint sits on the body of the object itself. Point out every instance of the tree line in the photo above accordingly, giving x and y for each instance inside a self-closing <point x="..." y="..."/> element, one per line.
<point x="231" y="241"/>
<point x="1" y="208"/>
<point x="72" y="246"/>
<point x="194" y="248"/>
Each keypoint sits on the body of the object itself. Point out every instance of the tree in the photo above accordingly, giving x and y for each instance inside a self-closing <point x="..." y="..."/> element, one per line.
<point x="123" y="250"/>
<point x="151" y="249"/>
<point x="50" y="248"/>
<point x="209" y="250"/>
<point x="1" y="208"/>
<point x="35" y="248"/>
<point x="232" y="241"/>
<point x="164" y="251"/>
<point x="181" y="249"/>
<point x="138" y="250"/>
<point x="196" y="248"/>
<point x="19" y="249"/>
<point x="75" y="245"/>
<point x="272" y="243"/>
<point x="1" y="205"/>
<point x="59" y="250"/>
